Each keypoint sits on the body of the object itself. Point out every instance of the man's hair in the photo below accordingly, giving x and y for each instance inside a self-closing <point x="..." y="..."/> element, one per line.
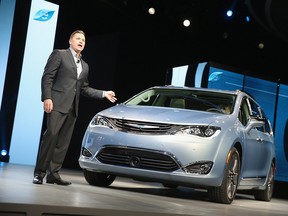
<point x="77" y="31"/>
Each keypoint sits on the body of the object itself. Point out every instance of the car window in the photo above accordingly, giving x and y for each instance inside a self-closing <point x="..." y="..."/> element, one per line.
<point x="244" y="114"/>
<point x="186" y="99"/>
<point x="250" y="109"/>
<point x="259" y="114"/>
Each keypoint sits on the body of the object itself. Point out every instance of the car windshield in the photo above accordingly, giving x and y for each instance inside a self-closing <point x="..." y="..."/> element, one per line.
<point x="185" y="99"/>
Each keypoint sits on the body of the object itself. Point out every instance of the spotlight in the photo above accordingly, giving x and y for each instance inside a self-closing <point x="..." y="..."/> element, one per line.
<point x="186" y="22"/>
<point x="4" y="157"/>
<point x="151" y="10"/>
<point x="225" y="35"/>
<point x="260" y="45"/>
<point x="247" y="19"/>
<point x="229" y="13"/>
<point x="3" y="152"/>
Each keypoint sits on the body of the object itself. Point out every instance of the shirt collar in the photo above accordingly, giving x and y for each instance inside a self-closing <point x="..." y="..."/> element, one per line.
<point x="75" y="54"/>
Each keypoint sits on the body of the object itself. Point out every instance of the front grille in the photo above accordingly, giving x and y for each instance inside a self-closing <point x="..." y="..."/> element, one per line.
<point x="138" y="158"/>
<point x="142" y="127"/>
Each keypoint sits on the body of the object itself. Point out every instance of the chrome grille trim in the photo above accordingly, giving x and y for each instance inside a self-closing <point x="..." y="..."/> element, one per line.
<point x="141" y="127"/>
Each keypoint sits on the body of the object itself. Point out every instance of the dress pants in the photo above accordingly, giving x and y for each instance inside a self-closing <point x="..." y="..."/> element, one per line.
<point x="55" y="143"/>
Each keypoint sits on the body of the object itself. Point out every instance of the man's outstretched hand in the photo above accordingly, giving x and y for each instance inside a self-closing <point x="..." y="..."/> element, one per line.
<point x="110" y="95"/>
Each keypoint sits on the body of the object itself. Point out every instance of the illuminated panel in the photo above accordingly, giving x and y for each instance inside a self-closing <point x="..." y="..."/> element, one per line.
<point x="199" y="74"/>
<point x="182" y="75"/>
<point x="29" y="109"/>
<point x="179" y="75"/>
<point x="6" y="22"/>
<point x="281" y="135"/>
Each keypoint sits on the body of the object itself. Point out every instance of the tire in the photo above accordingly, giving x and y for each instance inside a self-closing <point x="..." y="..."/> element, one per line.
<point x="227" y="191"/>
<point x="266" y="195"/>
<point x="98" y="178"/>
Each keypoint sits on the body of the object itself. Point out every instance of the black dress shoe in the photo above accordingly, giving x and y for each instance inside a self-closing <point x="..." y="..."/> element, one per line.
<point x="38" y="179"/>
<point x="50" y="179"/>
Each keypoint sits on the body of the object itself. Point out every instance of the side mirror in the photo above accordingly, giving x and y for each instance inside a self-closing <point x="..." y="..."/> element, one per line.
<point x="254" y="123"/>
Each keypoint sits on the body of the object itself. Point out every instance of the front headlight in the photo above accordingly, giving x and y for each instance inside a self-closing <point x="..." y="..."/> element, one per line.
<point x="202" y="131"/>
<point x="100" y="120"/>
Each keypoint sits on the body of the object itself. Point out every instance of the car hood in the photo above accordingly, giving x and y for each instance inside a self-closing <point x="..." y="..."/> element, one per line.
<point x="162" y="114"/>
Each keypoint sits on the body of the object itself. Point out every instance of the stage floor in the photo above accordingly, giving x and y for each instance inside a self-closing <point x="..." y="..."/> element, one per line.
<point x="18" y="196"/>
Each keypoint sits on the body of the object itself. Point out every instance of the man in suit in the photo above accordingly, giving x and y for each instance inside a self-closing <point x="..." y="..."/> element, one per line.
<point x="65" y="77"/>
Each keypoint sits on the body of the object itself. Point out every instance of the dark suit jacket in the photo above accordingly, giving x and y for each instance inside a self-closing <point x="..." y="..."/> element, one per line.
<point x="60" y="83"/>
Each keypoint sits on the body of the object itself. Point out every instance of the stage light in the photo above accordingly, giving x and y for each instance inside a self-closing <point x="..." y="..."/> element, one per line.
<point x="4" y="157"/>
<point x="3" y="152"/>
<point x="151" y="10"/>
<point x="247" y="19"/>
<point x="261" y="46"/>
<point x="186" y="22"/>
<point x="229" y="13"/>
<point x="225" y="35"/>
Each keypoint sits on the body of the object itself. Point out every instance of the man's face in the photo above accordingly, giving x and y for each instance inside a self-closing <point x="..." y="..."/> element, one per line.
<point x="77" y="42"/>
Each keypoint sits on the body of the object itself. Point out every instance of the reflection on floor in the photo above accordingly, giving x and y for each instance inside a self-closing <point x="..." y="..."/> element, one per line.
<point x="18" y="196"/>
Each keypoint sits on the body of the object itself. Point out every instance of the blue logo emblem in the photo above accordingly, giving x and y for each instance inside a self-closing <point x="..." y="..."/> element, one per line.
<point x="215" y="76"/>
<point x="43" y="15"/>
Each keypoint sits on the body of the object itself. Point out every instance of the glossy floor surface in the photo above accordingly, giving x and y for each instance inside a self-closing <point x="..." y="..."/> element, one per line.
<point x="18" y="196"/>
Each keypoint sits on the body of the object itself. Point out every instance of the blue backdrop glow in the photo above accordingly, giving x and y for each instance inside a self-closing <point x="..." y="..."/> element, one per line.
<point x="29" y="109"/>
<point x="6" y="23"/>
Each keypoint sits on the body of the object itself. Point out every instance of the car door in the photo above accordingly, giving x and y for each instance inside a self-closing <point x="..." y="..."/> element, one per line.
<point x="265" y="140"/>
<point x="251" y="142"/>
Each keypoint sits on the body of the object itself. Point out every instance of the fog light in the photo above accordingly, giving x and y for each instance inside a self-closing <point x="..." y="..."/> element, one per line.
<point x="86" y="152"/>
<point x="200" y="167"/>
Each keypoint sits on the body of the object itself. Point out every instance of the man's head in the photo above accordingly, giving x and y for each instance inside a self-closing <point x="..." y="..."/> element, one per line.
<point x="77" y="41"/>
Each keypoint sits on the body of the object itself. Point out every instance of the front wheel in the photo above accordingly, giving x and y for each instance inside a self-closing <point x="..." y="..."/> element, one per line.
<point x="227" y="191"/>
<point x="98" y="178"/>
